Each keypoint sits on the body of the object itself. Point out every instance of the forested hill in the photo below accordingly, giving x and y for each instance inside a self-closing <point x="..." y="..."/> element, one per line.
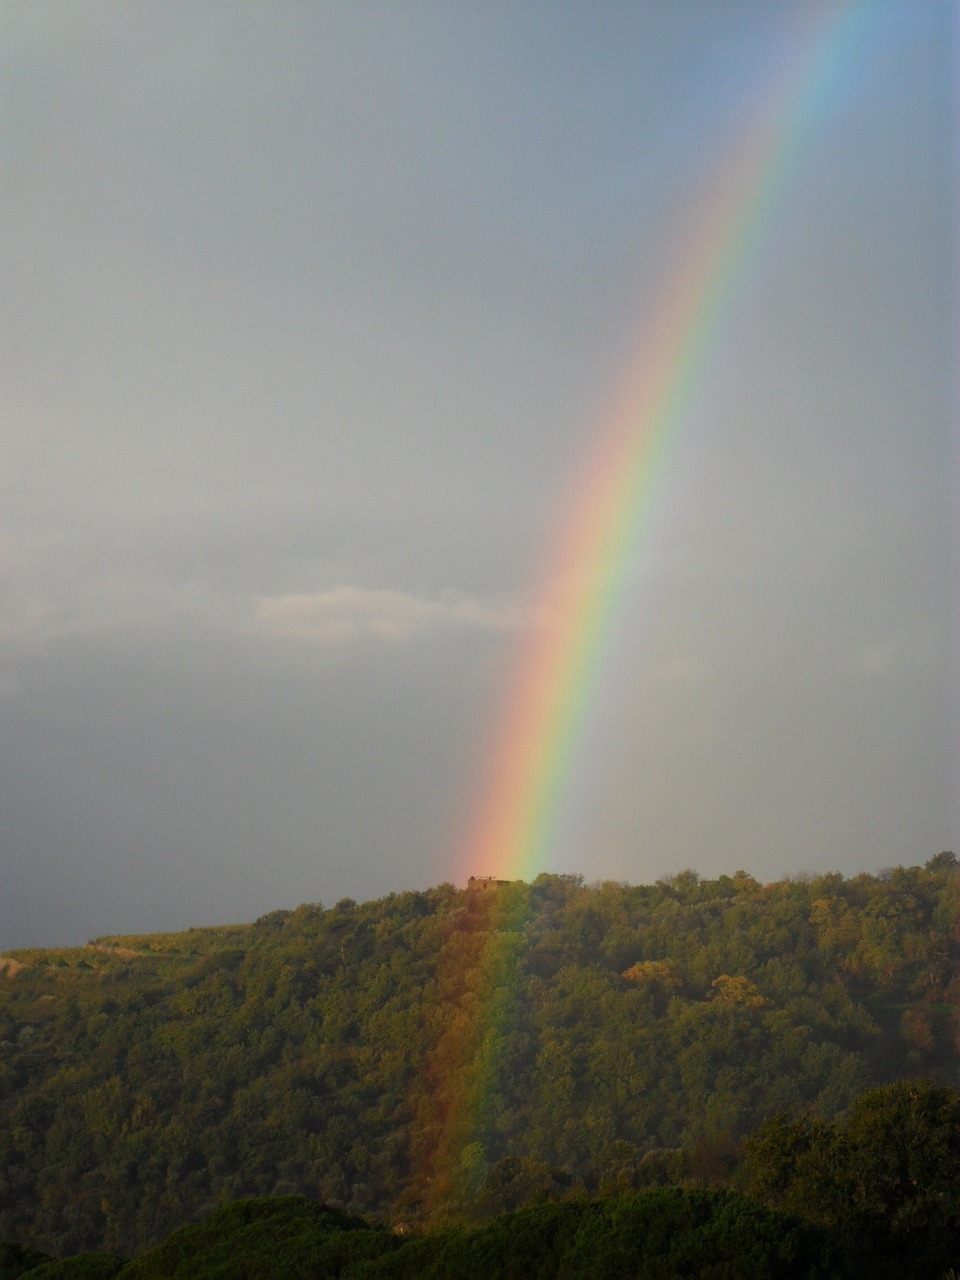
<point x="607" y="1037"/>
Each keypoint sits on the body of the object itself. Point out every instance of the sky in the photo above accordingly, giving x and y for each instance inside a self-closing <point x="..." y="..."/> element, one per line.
<point x="311" y="315"/>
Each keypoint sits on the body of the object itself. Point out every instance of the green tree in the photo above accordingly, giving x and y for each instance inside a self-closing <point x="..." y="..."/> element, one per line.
<point x="884" y="1176"/>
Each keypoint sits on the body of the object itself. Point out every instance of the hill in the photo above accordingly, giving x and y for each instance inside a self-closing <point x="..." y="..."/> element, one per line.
<point x="656" y="1236"/>
<point x="449" y="1054"/>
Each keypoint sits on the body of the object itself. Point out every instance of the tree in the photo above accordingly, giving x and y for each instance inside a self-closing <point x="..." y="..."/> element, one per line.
<point x="884" y="1177"/>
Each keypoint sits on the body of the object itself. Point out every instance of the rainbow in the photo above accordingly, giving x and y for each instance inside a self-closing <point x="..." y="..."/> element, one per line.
<point x="520" y="804"/>
<point x="522" y="797"/>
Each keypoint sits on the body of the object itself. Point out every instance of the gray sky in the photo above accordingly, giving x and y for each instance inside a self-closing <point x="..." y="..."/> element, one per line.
<point x="310" y="313"/>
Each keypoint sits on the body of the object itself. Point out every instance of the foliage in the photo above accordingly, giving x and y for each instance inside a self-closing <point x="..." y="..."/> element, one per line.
<point x="262" y="1239"/>
<point x="17" y="1259"/>
<point x="657" y="1235"/>
<point x="443" y="1055"/>
<point x="82" y="1266"/>
<point x="873" y="1192"/>
<point x="884" y="1177"/>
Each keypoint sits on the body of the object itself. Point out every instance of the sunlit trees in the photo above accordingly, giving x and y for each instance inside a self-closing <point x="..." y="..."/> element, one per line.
<point x="387" y="1056"/>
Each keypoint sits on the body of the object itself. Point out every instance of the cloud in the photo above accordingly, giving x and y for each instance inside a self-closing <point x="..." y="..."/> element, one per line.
<point x="345" y="613"/>
<point x="125" y="604"/>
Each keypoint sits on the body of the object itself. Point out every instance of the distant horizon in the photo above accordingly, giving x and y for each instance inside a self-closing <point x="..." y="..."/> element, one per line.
<point x="800" y="877"/>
